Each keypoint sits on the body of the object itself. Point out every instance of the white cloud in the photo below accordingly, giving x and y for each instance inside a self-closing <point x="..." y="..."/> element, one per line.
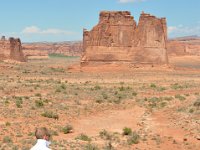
<point x="31" y="30"/>
<point x="181" y="30"/>
<point x="130" y="1"/>
<point x="37" y="30"/>
<point x="171" y="29"/>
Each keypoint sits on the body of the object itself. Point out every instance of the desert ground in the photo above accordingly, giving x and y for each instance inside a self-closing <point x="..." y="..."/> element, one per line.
<point x="146" y="108"/>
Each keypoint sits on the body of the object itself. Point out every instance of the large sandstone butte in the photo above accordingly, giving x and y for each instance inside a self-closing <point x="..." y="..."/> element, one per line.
<point x="118" y="38"/>
<point x="11" y="49"/>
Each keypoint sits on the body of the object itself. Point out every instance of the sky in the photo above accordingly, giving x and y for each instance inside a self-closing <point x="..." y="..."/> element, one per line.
<point x="64" y="20"/>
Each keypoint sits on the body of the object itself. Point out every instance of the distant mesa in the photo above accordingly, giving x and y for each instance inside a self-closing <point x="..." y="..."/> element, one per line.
<point x="181" y="46"/>
<point x="11" y="49"/>
<point x="118" y="38"/>
<point x="41" y="50"/>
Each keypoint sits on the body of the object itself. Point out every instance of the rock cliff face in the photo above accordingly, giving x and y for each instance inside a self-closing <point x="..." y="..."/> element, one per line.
<point x="11" y="49"/>
<point x="117" y="37"/>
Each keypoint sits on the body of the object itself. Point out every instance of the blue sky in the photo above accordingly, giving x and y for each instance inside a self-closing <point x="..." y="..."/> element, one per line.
<point x="64" y="20"/>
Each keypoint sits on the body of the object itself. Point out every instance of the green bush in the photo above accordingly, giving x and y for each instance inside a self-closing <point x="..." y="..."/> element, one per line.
<point x="127" y="131"/>
<point x="122" y="88"/>
<point x="7" y="139"/>
<point x="58" y="90"/>
<point x="39" y="103"/>
<point x="8" y="123"/>
<point x="133" y="139"/>
<point x="134" y="93"/>
<point x="152" y="85"/>
<point x="97" y="87"/>
<point x="90" y="146"/>
<point x="50" y="114"/>
<point x="104" y="95"/>
<point x="67" y="129"/>
<point x="180" y="97"/>
<point x="18" y="102"/>
<point x="83" y="137"/>
<point x="38" y="95"/>
<point x="197" y="103"/>
<point x="63" y="86"/>
<point x="105" y="135"/>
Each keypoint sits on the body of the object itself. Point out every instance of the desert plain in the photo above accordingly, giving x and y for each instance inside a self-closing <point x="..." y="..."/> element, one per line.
<point x="145" y="108"/>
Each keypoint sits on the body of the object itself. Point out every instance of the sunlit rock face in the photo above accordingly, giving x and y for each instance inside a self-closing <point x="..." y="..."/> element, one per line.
<point x="11" y="49"/>
<point x="118" y="38"/>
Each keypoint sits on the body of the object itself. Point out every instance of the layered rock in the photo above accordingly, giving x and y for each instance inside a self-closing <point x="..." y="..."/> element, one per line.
<point x="176" y="48"/>
<point x="45" y="48"/>
<point x="184" y="46"/>
<point x="117" y="37"/>
<point x="11" y="49"/>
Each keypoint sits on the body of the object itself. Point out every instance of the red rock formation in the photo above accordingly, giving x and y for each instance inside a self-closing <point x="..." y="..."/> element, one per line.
<point x="11" y="49"/>
<point x="117" y="37"/>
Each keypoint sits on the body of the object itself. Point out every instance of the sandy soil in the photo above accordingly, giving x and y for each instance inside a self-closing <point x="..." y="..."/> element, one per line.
<point x="158" y="104"/>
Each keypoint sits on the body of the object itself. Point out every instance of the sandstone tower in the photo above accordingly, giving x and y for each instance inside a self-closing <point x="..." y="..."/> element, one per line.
<point x="11" y="49"/>
<point x="118" y="38"/>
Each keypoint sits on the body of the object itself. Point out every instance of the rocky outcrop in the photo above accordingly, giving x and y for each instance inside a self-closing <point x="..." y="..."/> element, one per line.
<point x="117" y="38"/>
<point x="11" y="49"/>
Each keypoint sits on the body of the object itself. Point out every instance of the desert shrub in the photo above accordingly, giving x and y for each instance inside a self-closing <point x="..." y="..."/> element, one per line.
<point x="67" y="129"/>
<point x="58" y="90"/>
<point x="197" y="103"/>
<point x="108" y="146"/>
<point x="187" y="94"/>
<point x="163" y="104"/>
<point x="57" y="70"/>
<point x="39" y="103"/>
<point x="104" y="95"/>
<point x="97" y="87"/>
<point x="99" y="101"/>
<point x="134" y="138"/>
<point x="38" y="95"/>
<point x="6" y="102"/>
<point x="18" y="102"/>
<point x="7" y="139"/>
<point x="118" y="100"/>
<point x="50" y="114"/>
<point x="90" y="146"/>
<point x="134" y="93"/>
<point x="83" y="137"/>
<point x="53" y="133"/>
<point x="176" y="86"/>
<point x="180" y="97"/>
<point x="31" y="134"/>
<point x="168" y="98"/>
<point x="121" y="88"/>
<point x="191" y="110"/>
<point x="63" y="86"/>
<point x="161" y="89"/>
<point x="127" y="131"/>
<point x="8" y="123"/>
<point x="152" y="85"/>
<point x="105" y="135"/>
<point x="120" y="96"/>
